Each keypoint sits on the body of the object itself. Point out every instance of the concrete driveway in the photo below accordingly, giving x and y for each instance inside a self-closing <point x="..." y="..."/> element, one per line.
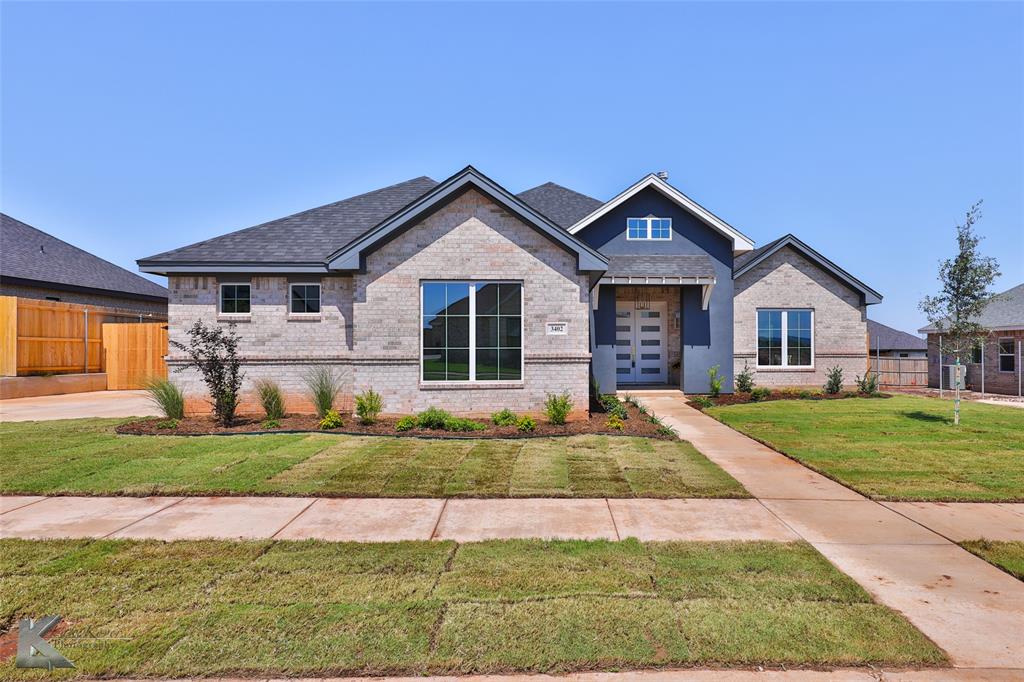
<point x="78" y="406"/>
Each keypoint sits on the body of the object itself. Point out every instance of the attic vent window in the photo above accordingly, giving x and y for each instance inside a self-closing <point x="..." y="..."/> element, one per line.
<point x="650" y="228"/>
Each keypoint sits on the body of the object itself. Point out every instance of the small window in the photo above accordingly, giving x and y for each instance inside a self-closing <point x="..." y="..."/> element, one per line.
<point x="53" y="298"/>
<point x="784" y="338"/>
<point x="651" y="228"/>
<point x="305" y="299"/>
<point x="234" y="299"/>
<point x="904" y="355"/>
<point x="1007" y="355"/>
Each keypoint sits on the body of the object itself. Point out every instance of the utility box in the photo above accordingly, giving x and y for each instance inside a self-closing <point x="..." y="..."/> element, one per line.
<point x="956" y="379"/>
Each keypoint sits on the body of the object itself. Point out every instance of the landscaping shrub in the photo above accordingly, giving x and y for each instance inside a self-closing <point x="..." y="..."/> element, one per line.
<point x="167" y="397"/>
<point x="368" y="406"/>
<point x="558" y="407"/>
<point x="714" y="381"/>
<point x="322" y="387"/>
<point x="271" y="399"/>
<point x="805" y="395"/>
<point x="595" y="388"/>
<point x="462" y="424"/>
<point x="167" y="424"/>
<point x="504" y="418"/>
<point x="868" y="385"/>
<point x="526" y="424"/>
<point x="745" y="379"/>
<point x="702" y="401"/>
<point x="631" y="400"/>
<point x="834" y="380"/>
<point x="663" y="428"/>
<point x="614" y="422"/>
<point x="433" y="418"/>
<point x="612" y="405"/>
<point x="406" y="423"/>
<point x="214" y="352"/>
<point x="789" y="393"/>
<point x="759" y="394"/>
<point x="270" y="424"/>
<point x="331" y="420"/>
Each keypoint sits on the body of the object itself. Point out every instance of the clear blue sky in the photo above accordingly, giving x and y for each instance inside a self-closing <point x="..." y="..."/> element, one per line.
<point x="865" y="129"/>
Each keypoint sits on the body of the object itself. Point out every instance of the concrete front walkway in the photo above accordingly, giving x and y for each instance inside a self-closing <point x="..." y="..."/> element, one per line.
<point x="78" y="406"/>
<point x="385" y="520"/>
<point x="968" y="607"/>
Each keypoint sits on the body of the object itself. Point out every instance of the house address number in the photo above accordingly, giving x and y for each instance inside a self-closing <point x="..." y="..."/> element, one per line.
<point x="558" y="328"/>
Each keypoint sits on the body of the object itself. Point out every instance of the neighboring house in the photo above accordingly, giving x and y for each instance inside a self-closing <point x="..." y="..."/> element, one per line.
<point x="996" y="366"/>
<point x="887" y="342"/>
<point x="34" y="264"/>
<point x="463" y="295"/>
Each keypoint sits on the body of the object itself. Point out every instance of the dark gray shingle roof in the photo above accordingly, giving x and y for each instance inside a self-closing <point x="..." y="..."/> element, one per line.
<point x="307" y="237"/>
<point x="660" y="266"/>
<point x="886" y="338"/>
<point x="748" y="256"/>
<point x="31" y="254"/>
<point x="1005" y="311"/>
<point x="561" y="205"/>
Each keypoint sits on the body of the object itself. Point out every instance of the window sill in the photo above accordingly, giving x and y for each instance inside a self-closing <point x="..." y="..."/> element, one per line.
<point x="783" y="368"/>
<point x="469" y="385"/>
<point x="229" y="317"/>
<point x="305" y="317"/>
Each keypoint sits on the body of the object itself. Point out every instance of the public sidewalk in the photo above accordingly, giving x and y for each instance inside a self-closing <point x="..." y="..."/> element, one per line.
<point x="902" y="554"/>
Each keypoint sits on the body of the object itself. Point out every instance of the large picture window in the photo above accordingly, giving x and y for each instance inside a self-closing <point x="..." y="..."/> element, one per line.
<point x="785" y="338"/>
<point x="472" y="331"/>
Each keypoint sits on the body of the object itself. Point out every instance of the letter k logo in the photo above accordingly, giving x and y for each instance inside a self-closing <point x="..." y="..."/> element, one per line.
<point x="33" y="650"/>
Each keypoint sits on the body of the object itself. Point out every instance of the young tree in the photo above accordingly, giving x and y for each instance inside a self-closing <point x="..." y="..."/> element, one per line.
<point x="966" y="282"/>
<point x="214" y="352"/>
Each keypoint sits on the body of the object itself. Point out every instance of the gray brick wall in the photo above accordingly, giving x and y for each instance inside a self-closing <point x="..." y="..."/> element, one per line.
<point x="996" y="381"/>
<point x="788" y="280"/>
<point x="369" y="330"/>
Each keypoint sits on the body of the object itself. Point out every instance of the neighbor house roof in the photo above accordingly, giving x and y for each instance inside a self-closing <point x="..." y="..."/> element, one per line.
<point x="884" y="338"/>
<point x="560" y="205"/>
<point x="744" y="262"/>
<point x="740" y="241"/>
<point x="1004" y="312"/>
<point x="31" y="256"/>
<point x="302" y="239"/>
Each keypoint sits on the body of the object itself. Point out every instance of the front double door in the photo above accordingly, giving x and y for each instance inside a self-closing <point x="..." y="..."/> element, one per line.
<point x="641" y="352"/>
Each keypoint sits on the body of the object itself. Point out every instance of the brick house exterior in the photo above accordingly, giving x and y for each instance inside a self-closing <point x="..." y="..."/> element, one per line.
<point x="998" y="366"/>
<point x="353" y="286"/>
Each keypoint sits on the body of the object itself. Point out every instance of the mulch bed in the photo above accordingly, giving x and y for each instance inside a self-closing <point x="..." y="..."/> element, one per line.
<point x="743" y="398"/>
<point x="636" y="425"/>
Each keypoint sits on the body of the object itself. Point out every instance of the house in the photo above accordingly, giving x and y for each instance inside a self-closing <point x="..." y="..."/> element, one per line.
<point x="34" y="264"/>
<point x="886" y="342"/>
<point x="464" y="295"/>
<point x="996" y="365"/>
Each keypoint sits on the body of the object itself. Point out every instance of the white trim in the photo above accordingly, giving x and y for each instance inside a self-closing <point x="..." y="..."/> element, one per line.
<point x="473" y="285"/>
<point x="220" y="299"/>
<point x="660" y="280"/>
<point x="785" y="341"/>
<point x="740" y="242"/>
<point x="320" y="299"/>
<point x="705" y="295"/>
<point x="647" y="221"/>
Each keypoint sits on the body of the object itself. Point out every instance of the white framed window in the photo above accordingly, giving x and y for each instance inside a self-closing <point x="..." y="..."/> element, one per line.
<point x="304" y="299"/>
<point x="1007" y="355"/>
<point x="785" y="338"/>
<point x="235" y="298"/>
<point x="649" y="228"/>
<point x="471" y="331"/>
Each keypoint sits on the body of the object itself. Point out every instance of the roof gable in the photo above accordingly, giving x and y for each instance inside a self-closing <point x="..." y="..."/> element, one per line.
<point x="352" y="255"/>
<point x="27" y="253"/>
<point x="740" y="242"/>
<point x="745" y="262"/>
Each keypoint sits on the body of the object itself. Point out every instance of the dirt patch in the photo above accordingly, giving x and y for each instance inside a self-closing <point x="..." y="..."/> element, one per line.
<point x="781" y="394"/>
<point x="638" y="424"/>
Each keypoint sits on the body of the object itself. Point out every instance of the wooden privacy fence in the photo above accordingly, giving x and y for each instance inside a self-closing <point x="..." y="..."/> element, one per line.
<point x="900" y="371"/>
<point x="134" y="353"/>
<point x="52" y="337"/>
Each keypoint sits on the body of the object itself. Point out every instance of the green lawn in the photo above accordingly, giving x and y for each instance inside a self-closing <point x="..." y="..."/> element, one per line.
<point x="1008" y="556"/>
<point x="313" y="608"/>
<point x="900" y="448"/>
<point x="87" y="457"/>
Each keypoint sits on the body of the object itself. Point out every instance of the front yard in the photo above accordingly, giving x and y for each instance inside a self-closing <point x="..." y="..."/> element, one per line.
<point x="1008" y="556"/>
<point x="87" y="457"/>
<point x="142" y="609"/>
<point x="902" y="448"/>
